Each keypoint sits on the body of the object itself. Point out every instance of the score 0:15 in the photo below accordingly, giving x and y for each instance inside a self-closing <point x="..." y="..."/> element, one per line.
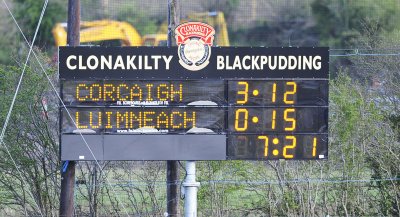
<point x="242" y="119"/>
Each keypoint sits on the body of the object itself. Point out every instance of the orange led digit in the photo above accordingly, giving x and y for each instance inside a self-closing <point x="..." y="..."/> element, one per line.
<point x="78" y="125"/>
<point x="162" y="118"/>
<point x="187" y="119"/>
<point x="78" y="95"/>
<point x="108" y="125"/>
<point x="124" y="117"/>
<point x="245" y="119"/>
<point x="289" y="147"/>
<point x="292" y="92"/>
<point x="314" y="147"/>
<point x="91" y="92"/>
<point x="162" y="95"/>
<point x="149" y="97"/>
<point x="108" y="91"/>
<point x="244" y="92"/>
<point x="119" y="92"/>
<point x="146" y="119"/>
<point x="173" y="115"/>
<point x="135" y="118"/>
<point x="291" y="120"/>
<point x="265" y="138"/>
<point x="273" y="124"/>
<point x="136" y="91"/>
<point x="93" y="126"/>
<point x="274" y="92"/>
<point x="178" y="92"/>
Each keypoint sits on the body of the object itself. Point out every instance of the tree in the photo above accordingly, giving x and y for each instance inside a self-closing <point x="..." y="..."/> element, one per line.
<point x="382" y="74"/>
<point x="341" y="22"/>
<point x="27" y="13"/>
<point x="32" y="140"/>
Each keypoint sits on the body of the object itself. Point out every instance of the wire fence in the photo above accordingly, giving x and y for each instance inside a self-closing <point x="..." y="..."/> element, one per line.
<point x="266" y="188"/>
<point x="240" y="198"/>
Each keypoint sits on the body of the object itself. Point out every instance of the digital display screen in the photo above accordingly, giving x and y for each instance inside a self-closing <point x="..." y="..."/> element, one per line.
<point x="278" y="92"/>
<point x="143" y="120"/>
<point x="262" y="119"/>
<point x="292" y="119"/>
<point x="277" y="146"/>
<point x="144" y="93"/>
<point x="247" y="103"/>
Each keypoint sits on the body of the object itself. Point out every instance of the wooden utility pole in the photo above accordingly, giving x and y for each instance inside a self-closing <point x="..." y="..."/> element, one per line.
<point x="174" y="17"/>
<point x="68" y="174"/>
<point x="173" y="166"/>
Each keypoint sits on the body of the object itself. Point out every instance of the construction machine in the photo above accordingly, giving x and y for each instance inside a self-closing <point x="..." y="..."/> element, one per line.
<point x="107" y="30"/>
<point x="101" y="31"/>
<point x="155" y="40"/>
<point x="216" y="20"/>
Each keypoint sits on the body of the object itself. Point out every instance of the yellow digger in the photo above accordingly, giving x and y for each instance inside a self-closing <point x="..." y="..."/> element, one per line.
<point x="106" y="30"/>
<point x="102" y="31"/>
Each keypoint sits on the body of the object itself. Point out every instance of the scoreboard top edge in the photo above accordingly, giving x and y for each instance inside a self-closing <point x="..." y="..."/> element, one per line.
<point x="171" y="63"/>
<point x="141" y="79"/>
<point x="175" y="47"/>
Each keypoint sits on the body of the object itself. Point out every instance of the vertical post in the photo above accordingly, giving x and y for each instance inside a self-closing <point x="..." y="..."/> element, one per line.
<point x="172" y="166"/>
<point x="191" y="186"/>
<point x="174" y="17"/>
<point x="172" y="188"/>
<point x="68" y="174"/>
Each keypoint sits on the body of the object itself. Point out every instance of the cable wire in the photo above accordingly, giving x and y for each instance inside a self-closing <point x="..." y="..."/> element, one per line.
<point x="263" y="182"/>
<point x="66" y="109"/>
<point x="3" y="131"/>
<point x="356" y="52"/>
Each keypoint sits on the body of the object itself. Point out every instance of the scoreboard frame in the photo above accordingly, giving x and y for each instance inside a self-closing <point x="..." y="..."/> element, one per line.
<point x="155" y="138"/>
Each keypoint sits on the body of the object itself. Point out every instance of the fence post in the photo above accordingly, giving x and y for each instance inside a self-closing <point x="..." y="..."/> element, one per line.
<point x="191" y="186"/>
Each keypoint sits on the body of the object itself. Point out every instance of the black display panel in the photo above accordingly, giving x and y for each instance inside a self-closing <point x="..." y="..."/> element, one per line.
<point x="277" y="146"/>
<point x="292" y="119"/>
<point x="144" y="120"/>
<point x="278" y="92"/>
<point x="144" y="93"/>
<point x="247" y="103"/>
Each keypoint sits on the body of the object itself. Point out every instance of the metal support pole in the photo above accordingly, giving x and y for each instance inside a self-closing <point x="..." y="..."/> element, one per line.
<point x="68" y="173"/>
<point x="191" y="186"/>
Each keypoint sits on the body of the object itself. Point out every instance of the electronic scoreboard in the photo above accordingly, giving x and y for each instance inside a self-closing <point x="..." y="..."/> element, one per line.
<point x="248" y="103"/>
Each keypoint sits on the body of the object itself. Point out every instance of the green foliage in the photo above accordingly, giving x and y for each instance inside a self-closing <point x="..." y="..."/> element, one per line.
<point x="143" y="23"/>
<point x="8" y="40"/>
<point x="362" y="146"/>
<point x="31" y="138"/>
<point x="6" y="43"/>
<point x="290" y="199"/>
<point x="341" y="22"/>
<point x="228" y="7"/>
<point x="27" y="13"/>
<point x="290" y="28"/>
<point x="213" y="197"/>
<point x="363" y="142"/>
